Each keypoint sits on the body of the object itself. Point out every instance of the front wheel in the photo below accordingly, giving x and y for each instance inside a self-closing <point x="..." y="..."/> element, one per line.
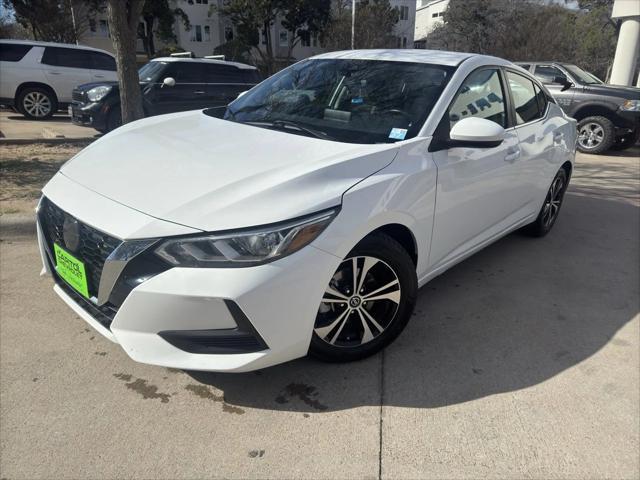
<point x="550" y="208"/>
<point x="37" y="103"/>
<point x="595" y="135"/>
<point x="367" y="303"/>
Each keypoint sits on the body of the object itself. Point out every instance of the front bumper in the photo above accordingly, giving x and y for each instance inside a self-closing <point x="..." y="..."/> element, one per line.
<point x="89" y="115"/>
<point x="214" y="319"/>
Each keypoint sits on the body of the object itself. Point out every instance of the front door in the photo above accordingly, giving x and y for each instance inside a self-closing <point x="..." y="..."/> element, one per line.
<point x="188" y="93"/>
<point x="478" y="191"/>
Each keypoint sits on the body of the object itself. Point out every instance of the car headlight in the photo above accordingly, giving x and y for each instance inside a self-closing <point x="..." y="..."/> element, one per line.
<point x="98" y="93"/>
<point x="246" y="247"/>
<point x="631" y="106"/>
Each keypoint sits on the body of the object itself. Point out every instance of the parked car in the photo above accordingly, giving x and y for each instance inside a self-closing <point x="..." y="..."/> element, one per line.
<point x="37" y="77"/>
<point x="305" y="219"/>
<point x="608" y="115"/>
<point x="169" y="84"/>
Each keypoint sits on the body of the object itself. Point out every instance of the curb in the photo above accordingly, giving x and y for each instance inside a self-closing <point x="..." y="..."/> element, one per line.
<point x="50" y="141"/>
<point x="14" y="226"/>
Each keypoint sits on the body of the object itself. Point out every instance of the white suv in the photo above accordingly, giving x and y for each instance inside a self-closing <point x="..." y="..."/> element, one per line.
<point x="38" y="77"/>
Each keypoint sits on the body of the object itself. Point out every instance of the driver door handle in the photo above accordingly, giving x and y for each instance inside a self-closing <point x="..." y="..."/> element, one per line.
<point x="199" y="92"/>
<point x="512" y="155"/>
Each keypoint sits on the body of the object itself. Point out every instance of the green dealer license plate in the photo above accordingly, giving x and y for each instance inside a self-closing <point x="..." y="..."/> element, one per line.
<point x="71" y="270"/>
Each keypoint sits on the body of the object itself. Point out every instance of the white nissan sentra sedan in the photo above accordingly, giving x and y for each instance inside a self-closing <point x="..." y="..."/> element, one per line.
<point x="306" y="218"/>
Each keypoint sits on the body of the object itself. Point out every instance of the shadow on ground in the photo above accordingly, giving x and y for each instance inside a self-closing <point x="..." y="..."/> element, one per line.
<point x="516" y="314"/>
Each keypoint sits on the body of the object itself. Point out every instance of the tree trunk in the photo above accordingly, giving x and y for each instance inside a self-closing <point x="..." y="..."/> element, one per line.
<point x="123" y="17"/>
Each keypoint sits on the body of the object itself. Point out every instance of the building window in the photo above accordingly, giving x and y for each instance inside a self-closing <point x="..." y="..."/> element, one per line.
<point x="404" y="42"/>
<point x="404" y="12"/>
<point x="228" y="33"/>
<point x="305" y="39"/>
<point x="283" y="38"/>
<point x="314" y="40"/>
<point x="434" y="15"/>
<point x="92" y="25"/>
<point x="104" y="28"/>
<point x="207" y="33"/>
<point x="196" y="33"/>
<point x="263" y="35"/>
<point x="441" y="14"/>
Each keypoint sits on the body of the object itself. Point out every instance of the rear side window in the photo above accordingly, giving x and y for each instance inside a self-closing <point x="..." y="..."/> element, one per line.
<point x="67" y="57"/>
<point x="10" y="52"/>
<point x="480" y="96"/>
<point x="525" y="100"/>
<point x="525" y="66"/>
<point x="102" y="61"/>
<point x="224" y="74"/>
<point x="251" y="76"/>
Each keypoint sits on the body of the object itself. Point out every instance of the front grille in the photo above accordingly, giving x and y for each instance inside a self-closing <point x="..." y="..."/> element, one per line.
<point x="93" y="247"/>
<point x="78" y="97"/>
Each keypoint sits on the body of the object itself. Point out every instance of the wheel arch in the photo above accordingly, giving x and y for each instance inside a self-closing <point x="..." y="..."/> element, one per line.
<point x="568" y="168"/>
<point x="594" y="109"/>
<point x="44" y="86"/>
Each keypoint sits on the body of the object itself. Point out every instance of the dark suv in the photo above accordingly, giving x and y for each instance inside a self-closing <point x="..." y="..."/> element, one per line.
<point x="608" y="115"/>
<point x="168" y="85"/>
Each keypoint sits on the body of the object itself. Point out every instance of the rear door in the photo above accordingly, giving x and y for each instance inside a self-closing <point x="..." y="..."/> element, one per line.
<point x="540" y="133"/>
<point x="65" y="69"/>
<point x="103" y="67"/>
<point x="478" y="194"/>
<point x="189" y="92"/>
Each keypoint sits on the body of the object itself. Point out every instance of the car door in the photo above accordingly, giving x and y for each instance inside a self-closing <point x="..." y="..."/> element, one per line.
<point x="103" y="67"/>
<point x="478" y="195"/>
<point x="188" y="93"/>
<point x="225" y="83"/>
<point x="65" y="69"/>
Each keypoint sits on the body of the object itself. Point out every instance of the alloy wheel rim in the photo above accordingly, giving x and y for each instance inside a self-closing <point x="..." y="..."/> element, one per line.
<point x="552" y="202"/>
<point x="37" y="104"/>
<point x="360" y="303"/>
<point x="591" y="135"/>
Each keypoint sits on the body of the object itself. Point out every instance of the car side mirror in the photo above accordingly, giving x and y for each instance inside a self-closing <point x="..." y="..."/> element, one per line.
<point x="564" y="81"/>
<point x="169" y="82"/>
<point x="476" y="132"/>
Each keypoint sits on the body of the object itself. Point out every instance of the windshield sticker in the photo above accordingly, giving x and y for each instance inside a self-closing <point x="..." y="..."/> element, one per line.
<point x="398" y="133"/>
<point x="357" y="100"/>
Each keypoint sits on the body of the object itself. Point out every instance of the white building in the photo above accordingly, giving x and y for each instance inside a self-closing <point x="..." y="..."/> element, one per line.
<point x="429" y="14"/>
<point x="208" y="30"/>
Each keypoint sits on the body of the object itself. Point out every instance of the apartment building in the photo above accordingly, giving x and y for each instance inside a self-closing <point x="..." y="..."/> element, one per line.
<point x="429" y="14"/>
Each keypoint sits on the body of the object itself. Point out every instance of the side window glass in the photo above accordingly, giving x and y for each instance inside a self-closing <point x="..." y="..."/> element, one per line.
<point x="11" y="52"/>
<point x="223" y="74"/>
<point x="480" y="96"/>
<point x="186" y="72"/>
<point x="542" y="99"/>
<point x="524" y="96"/>
<point x="547" y="74"/>
<point x="103" y="62"/>
<point x="67" y="57"/>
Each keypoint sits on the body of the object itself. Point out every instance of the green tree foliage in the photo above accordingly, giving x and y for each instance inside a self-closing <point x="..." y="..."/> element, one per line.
<point x="530" y="30"/>
<point x="159" y="18"/>
<point x="374" y="24"/>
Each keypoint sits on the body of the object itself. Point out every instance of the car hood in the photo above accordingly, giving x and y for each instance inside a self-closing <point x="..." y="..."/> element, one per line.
<point x="627" y="93"/>
<point x="211" y="174"/>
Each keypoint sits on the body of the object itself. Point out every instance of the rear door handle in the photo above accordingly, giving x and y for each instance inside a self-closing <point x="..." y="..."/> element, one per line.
<point x="99" y="76"/>
<point x="55" y="73"/>
<point x="199" y="92"/>
<point x="512" y="155"/>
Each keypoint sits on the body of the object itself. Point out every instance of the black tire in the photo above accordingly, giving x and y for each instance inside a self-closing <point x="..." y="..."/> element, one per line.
<point x="627" y="141"/>
<point x="595" y="135"/>
<point x="543" y="223"/>
<point x="36" y="103"/>
<point x="114" y="120"/>
<point x="392" y="259"/>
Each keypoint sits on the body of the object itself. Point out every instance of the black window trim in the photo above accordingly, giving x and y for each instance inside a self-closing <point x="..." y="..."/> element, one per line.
<point x="512" y="107"/>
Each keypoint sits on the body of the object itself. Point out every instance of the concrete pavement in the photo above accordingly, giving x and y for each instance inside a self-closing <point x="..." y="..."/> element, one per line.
<point x="521" y="362"/>
<point x="14" y="126"/>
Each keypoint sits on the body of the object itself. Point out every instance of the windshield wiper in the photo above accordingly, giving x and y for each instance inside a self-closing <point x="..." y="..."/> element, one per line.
<point x="286" y="124"/>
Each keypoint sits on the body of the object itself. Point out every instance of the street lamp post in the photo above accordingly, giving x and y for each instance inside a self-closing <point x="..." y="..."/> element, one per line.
<point x="353" y="24"/>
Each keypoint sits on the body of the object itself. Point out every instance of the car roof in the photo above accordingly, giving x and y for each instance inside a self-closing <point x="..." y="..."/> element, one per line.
<point x="543" y="63"/>
<point x="37" y="43"/>
<point x="203" y="60"/>
<point x="439" y="57"/>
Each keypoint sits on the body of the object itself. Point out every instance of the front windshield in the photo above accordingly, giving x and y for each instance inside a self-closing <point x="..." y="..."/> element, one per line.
<point x="582" y="76"/>
<point x="149" y="71"/>
<point x="354" y="101"/>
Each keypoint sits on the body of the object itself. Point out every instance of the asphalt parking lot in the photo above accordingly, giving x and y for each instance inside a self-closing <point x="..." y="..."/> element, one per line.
<point x="521" y="362"/>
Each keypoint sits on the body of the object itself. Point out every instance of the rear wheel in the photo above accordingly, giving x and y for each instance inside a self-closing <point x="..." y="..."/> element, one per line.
<point x="367" y="303"/>
<point x="595" y="135"/>
<point x="551" y="207"/>
<point x="37" y="103"/>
